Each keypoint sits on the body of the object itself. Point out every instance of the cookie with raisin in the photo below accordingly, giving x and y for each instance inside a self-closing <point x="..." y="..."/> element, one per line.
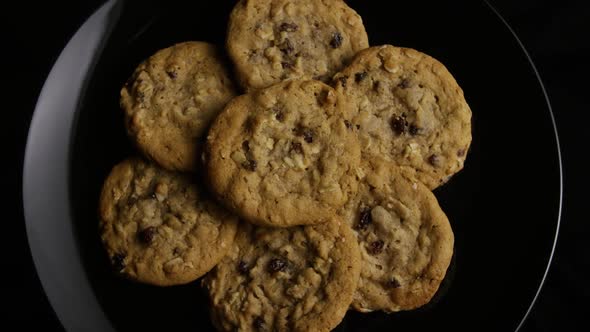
<point x="405" y="239"/>
<point x="285" y="155"/>
<point x="272" y="40"/>
<point x="171" y="99"/>
<point x="300" y="278"/>
<point x="158" y="227"/>
<point x="409" y="110"/>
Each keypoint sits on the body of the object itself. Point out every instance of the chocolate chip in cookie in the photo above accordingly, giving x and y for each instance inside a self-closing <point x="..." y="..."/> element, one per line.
<point x="258" y="323"/>
<point x="297" y="147"/>
<point x="277" y="265"/>
<point x="243" y="267"/>
<point x="288" y="27"/>
<point x="404" y="83"/>
<point x="118" y="262"/>
<point x="359" y="77"/>
<point x="434" y="160"/>
<point x="249" y="165"/>
<point x="376" y="247"/>
<point x="246" y="146"/>
<point x="336" y="40"/>
<point x="398" y="124"/>
<point x="307" y="133"/>
<point x="146" y="236"/>
<point x="393" y="283"/>
<point x="343" y="80"/>
<point x="287" y="47"/>
<point x="364" y="219"/>
<point x="414" y="130"/>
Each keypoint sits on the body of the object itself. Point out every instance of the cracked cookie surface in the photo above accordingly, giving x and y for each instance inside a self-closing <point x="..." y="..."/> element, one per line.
<point x="273" y="40"/>
<point x="158" y="228"/>
<point x="171" y="99"/>
<point x="405" y="240"/>
<point x="409" y="110"/>
<point x="300" y="278"/>
<point x="285" y="155"/>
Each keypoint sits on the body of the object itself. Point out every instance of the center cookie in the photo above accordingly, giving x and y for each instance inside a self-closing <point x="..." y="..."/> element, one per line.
<point x="272" y="40"/>
<point x="285" y="155"/>
<point x="405" y="239"/>
<point x="285" y="279"/>
<point x="171" y="99"/>
<point x="409" y="110"/>
<point x="157" y="228"/>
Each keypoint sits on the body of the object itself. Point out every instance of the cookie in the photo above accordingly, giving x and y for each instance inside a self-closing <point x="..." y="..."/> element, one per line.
<point x="158" y="228"/>
<point x="409" y="110"/>
<point x="285" y="279"/>
<point x="272" y="40"/>
<point x="285" y="155"/>
<point x="405" y="240"/>
<point x="171" y="99"/>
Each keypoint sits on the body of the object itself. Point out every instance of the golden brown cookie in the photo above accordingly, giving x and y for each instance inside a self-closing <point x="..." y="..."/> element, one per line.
<point x="285" y="279"/>
<point x="405" y="240"/>
<point x="409" y="110"/>
<point x="273" y="40"/>
<point x="158" y="228"/>
<point x="171" y="99"/>
<point x="285" y="155"/>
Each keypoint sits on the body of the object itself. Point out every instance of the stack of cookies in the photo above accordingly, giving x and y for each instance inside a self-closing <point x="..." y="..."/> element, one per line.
<point x="317" y="193"/>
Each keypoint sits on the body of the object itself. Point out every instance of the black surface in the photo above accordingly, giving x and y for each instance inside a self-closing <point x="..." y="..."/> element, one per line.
<point x="499" y="93"/>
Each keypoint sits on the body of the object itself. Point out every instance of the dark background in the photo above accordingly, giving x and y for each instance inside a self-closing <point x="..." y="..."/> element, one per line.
<point x="554" y="33"/>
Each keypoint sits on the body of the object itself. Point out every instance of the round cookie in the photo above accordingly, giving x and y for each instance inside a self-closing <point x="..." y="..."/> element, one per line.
<point x="409" y="110"/>
<point x="285" y="155"/>
<point x="157" y="228"/>
<point x="285" y="279"/>
<point x="405" y="240"/>
<point x="171" y="99"/>
<point x="273" y="40"/>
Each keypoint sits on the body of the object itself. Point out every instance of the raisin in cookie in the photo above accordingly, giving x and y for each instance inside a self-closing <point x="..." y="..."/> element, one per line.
<point x="171" y="99"/>
<point x="272" y="40"/>
<point x="285" y="155"/>
<point x="158" y="228"/>
<point x="409" y="110"/>
<point x="405" y="239"/>
<point x="285" y="279"/>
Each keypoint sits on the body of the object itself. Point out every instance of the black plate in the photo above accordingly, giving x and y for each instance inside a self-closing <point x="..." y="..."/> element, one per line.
<point x="503" y="241"/>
